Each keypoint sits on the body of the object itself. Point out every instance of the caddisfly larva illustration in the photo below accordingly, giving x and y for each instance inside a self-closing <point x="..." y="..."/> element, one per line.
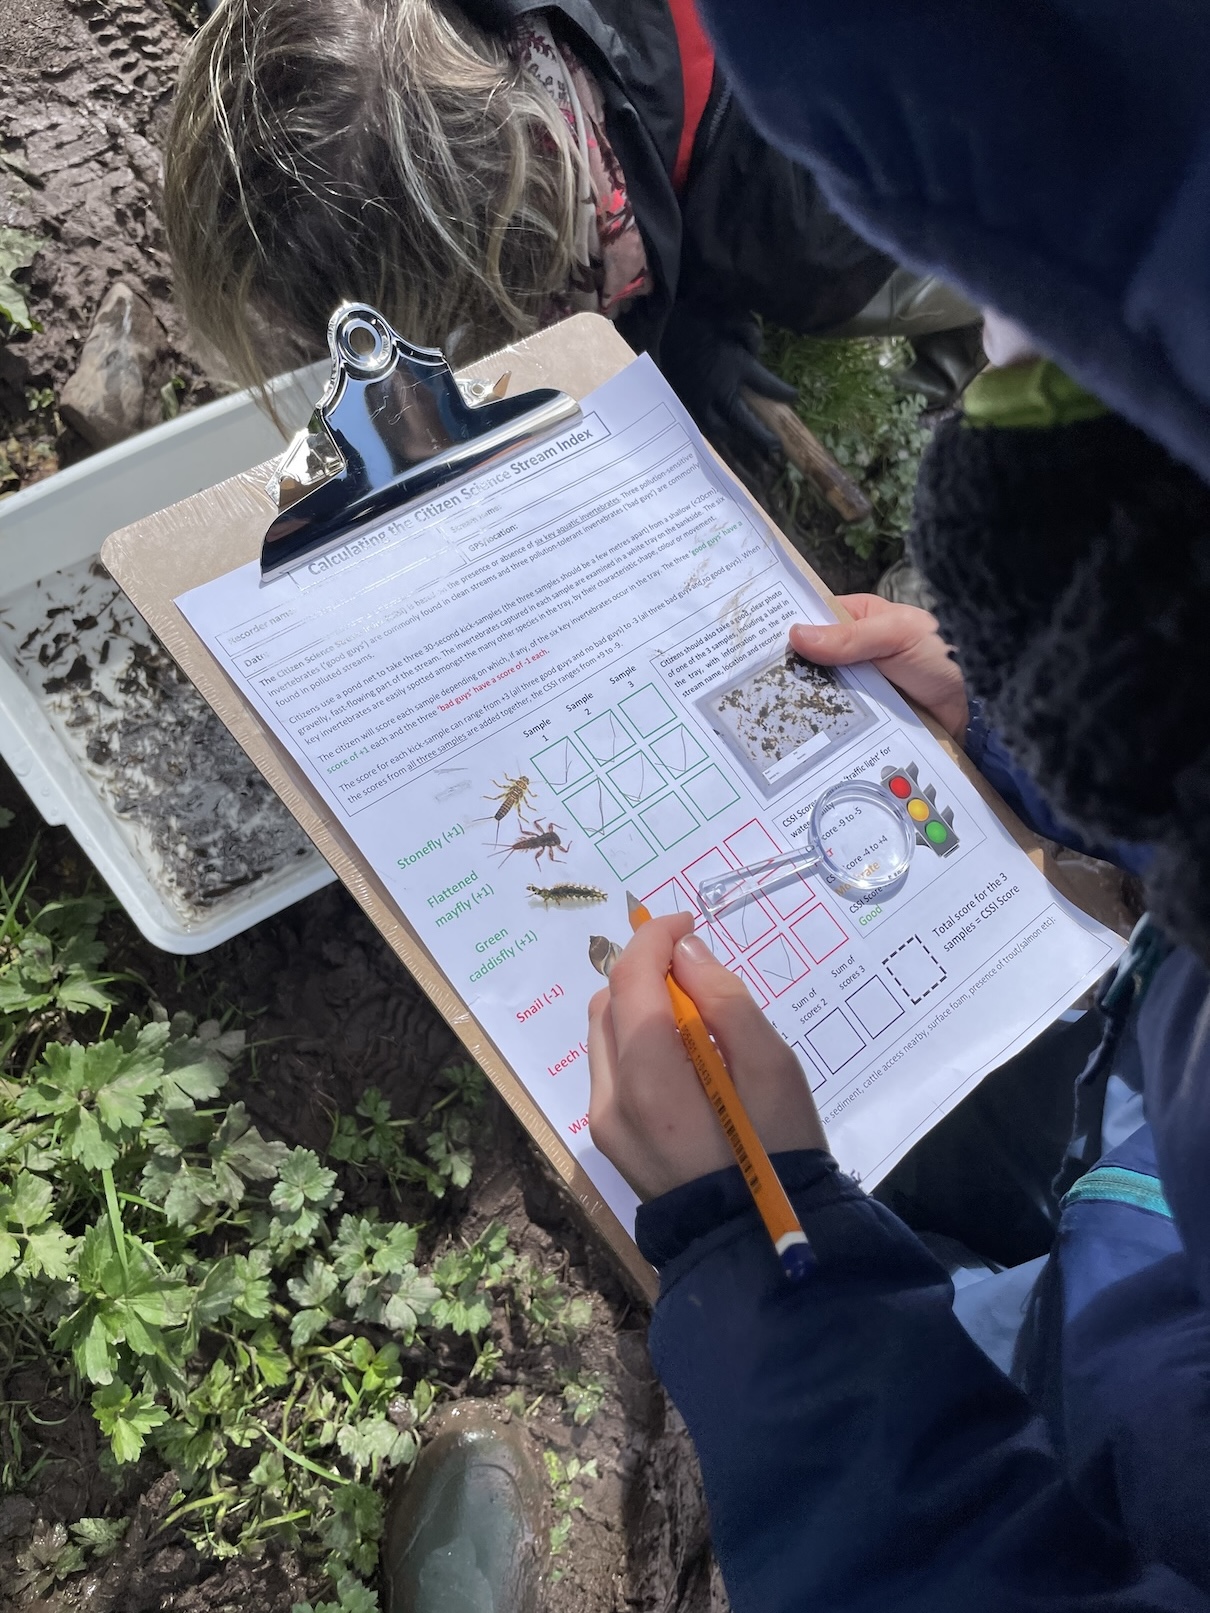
<point x="566" y="895"/>
<point x="543" y="842"/>
<point x="515" y="794"/>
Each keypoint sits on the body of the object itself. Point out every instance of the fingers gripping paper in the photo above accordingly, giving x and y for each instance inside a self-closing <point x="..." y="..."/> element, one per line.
<point x="568" y="678"/>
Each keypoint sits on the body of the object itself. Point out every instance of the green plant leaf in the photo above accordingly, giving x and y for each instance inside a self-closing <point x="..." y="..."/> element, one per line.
<point x="307" y="1325"/>
<point x="193" y="1083"/>
<point x="100" y="1535"/>
<point x="397" y="1248"/>
<point x="373" y="1442"/>
<point x="50" y="1252"/>
<point x="316" y="1285"/>
<point x="27" y="1203"/>
<point x="302" y="1182"/>
<point x="126" y="1418"/>
<point x="401" y="1301"/>
<point x="10" y="1253"/>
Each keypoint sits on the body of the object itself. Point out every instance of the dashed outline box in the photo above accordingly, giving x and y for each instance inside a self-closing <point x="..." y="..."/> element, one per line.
<point x="564" y="744"/>
<point x="702" y="782"/>
<point x="938" y="969"/>
<point x="790" y="953"/>
<point x="817" y="943"/>
<point x="625" y="868"/>
<point x="874" y="1019"/>
<point x="651" y="693"/>
<point x="670" y="833"/>
<point x="844" y="1039"/>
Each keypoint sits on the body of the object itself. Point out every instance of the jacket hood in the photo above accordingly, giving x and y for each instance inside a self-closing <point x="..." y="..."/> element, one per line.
<point x="1049" y="157"/>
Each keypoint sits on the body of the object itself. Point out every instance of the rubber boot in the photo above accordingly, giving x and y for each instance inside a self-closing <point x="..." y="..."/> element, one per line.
<point x="464" y="1531"/>
<point x="945" y="365"/>
<point x="912" y="305"/>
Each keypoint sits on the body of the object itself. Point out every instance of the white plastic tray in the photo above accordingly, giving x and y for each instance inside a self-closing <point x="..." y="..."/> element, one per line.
<point x="65" y="519"/>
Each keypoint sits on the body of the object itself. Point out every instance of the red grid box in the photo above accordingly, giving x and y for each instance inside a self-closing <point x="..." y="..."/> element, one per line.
<point x="670" y="897"/>
<point x="751" y="844"/>
<point x="819" y="934"/>
<point x="779" y="965"/>
<point x="754" y="986"/>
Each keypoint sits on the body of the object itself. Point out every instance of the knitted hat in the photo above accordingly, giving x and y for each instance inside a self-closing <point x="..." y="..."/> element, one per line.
<point x="1072" y="566"/>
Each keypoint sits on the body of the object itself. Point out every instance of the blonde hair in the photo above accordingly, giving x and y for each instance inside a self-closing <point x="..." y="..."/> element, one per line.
<point x="372" y="150"/>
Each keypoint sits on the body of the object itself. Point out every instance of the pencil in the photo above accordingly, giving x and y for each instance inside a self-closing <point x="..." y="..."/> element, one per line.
<point x="783" y="1226"/>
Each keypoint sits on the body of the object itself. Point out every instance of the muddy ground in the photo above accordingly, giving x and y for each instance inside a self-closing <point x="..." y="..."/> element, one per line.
<point x="333" y="1012"/>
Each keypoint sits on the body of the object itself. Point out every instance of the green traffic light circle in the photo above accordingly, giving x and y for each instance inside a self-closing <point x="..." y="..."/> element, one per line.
<point x="937" y="833"/>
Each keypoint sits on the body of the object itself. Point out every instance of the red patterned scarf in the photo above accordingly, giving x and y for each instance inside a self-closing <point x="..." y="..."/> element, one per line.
<point x="611" y="262"/>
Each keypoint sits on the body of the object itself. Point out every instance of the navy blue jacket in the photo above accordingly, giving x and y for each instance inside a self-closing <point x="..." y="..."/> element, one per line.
<point x="861" y="1455"/>
<point x="1051" y="157"/>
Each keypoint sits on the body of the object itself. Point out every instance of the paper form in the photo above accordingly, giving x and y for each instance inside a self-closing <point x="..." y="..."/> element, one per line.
<point x="572" y="671"/>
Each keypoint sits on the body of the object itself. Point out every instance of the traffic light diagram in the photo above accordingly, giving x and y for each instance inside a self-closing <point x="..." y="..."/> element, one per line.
<point x="934" y="824"/>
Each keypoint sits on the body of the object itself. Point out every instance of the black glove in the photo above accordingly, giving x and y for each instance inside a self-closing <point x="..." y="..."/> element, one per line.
<point x="706" y="359"/>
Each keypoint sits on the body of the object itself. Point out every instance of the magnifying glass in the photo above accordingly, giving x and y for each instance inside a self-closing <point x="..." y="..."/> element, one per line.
<point x="859" y="841"/>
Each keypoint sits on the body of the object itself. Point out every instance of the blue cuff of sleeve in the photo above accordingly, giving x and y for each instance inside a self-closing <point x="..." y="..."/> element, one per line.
<point x="666" y="1226"/>
<point x="977" y="734"/>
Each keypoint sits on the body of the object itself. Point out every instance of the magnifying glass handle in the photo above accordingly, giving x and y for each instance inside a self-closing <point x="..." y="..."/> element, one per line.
<point x="720" y="892"/>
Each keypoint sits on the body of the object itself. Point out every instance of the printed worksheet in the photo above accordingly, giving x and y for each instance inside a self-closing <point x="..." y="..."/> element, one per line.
<point x="569" y="679"/>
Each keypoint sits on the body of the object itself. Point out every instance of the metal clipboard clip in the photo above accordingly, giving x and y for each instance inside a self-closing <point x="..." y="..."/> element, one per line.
<point x="393" y="427"/>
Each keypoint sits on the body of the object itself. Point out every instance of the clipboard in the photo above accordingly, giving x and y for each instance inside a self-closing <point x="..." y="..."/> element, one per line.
<point x="213" y="532"/>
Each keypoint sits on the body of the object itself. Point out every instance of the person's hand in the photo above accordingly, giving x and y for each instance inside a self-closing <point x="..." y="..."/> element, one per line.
<point x="902" y="641"/>
<point x="707" y="359"/>
<point x="648" y="1113"/>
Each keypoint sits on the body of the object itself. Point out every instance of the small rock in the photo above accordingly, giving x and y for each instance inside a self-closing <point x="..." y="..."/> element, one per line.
<point x="103" y="400"/>
<point x="16" y="1515"/>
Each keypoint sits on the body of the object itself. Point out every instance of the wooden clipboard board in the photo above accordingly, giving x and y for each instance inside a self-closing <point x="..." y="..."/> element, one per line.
<point x="203" y="537"/>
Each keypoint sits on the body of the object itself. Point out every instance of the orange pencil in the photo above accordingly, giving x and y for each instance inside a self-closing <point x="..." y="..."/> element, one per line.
<point x="776" y="1211"/>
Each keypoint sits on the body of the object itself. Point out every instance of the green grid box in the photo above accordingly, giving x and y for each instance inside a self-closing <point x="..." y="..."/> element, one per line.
<point x="561" y="765"/>
<point x="636" y="779"/>
<point x="594" y="807"/>
<point x="626" y="850"/>
<point x="605" y="738"/>
<point x="711" y="791"/>
<point x="678" y="752"/>
<point x="646" y="710"/>
<point x="669" y="820"/>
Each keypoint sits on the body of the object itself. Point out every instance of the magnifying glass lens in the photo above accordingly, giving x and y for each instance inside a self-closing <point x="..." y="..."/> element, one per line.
<point x="859" y="839"/>
<point x="865" y="838"/>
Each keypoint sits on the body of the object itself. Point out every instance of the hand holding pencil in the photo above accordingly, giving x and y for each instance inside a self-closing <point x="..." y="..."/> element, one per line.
<point x="650" y="1113"/>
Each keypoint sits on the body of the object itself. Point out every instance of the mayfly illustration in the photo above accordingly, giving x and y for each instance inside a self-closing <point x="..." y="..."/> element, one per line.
<point x="541" y="841"/>
<point x="566" y="895"/>
<point x="514" y="795"/>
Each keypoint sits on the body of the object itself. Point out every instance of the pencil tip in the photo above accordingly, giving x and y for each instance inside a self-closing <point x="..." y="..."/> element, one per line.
<point x="631" y="903"/>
